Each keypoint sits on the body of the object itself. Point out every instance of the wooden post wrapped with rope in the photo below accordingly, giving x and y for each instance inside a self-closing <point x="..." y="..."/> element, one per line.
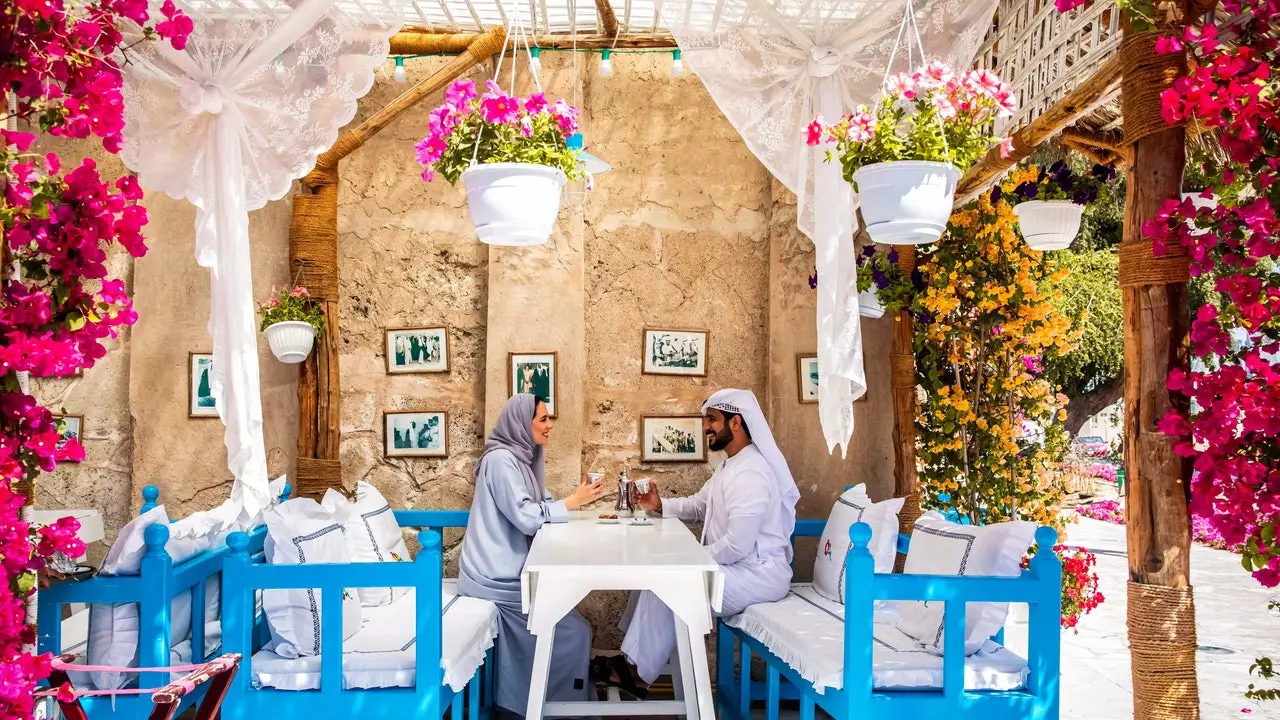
<point x="902" y="385"/>
<point x="1161" y="608"/>
<point x="313" y="259"/>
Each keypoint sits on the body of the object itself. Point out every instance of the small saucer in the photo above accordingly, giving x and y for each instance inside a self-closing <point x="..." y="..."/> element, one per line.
<point x="641" y="521"/>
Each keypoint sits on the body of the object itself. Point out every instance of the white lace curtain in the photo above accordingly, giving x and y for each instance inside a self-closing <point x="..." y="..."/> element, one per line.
<point x="771" y="67"/>
<point x="261" y="89"/>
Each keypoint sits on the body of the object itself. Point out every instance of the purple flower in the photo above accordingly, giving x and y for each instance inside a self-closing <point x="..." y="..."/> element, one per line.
<point x="869" y="251"/>
<point x="917" y="280"/>
<point x="1027" y="190"/>
<point x="893" y="256"/>
<point x="879" y="278"/>
<point x="996" y="194"/>
<point x="813" y="280"/>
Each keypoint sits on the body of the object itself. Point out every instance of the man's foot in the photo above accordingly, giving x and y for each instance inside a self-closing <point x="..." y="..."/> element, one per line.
<point x="615" y="671"/>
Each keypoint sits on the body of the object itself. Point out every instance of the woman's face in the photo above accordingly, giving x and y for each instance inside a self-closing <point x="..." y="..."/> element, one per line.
<point x="542" y="425"/>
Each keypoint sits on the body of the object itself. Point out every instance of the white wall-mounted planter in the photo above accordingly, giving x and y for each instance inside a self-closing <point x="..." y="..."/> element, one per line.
<point x="906" y="202"/>
<point x="291" y="341"/>
<point x="513" y="204"/>
<point x="869" y="305"/>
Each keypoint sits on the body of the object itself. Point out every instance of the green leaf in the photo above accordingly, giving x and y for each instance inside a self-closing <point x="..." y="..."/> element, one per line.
<point x="26" y="582"/>
<point x="75" y="321"/>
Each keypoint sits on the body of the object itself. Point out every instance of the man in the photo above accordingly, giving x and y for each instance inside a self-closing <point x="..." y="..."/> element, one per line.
<point x="748" y="511"/>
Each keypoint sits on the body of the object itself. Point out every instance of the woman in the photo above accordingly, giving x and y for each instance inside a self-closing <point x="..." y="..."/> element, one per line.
<point x="511" y="503"/>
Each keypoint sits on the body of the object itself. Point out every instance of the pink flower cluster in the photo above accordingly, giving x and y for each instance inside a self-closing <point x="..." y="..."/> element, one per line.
<point x="1104" y="510"/>
<point x="973" y="96"/>
<point x="61" y="62"/>
<point x="59" y="59"/>
<point x="465" y="112"/>
<point x="1234" y="427"/>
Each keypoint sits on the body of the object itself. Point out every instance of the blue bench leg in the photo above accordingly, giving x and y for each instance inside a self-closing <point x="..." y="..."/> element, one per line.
<point x="473" y="696"/>
<point x="806" y="706"/>
<point x="744" y="682"/>
<point x="490" y="678"/>
<point x="772" y="701"/>
<point x="455" y="706"/>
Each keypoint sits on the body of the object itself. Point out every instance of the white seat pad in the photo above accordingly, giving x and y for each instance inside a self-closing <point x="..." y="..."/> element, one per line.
<point x="381" y="654"/>
<point x="806" y="631"/>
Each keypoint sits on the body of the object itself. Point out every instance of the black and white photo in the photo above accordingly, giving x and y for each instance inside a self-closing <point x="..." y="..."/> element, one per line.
<point x="417" y="350"/>
<point x="675" y="352"/>
<point x="413" y="433"/>
<point x="672" y="438"/>
<point x="533" y="373"/>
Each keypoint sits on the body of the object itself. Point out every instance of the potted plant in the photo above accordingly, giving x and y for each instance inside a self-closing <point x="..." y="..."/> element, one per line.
<point x="1053" y="203"/>
<point x="291" y="320"/>
<point x="905" y="156"/>
<point x="511" y="155"/>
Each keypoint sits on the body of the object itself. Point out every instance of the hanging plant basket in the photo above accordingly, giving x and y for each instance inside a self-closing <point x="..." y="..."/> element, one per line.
<point x="291" y="341"/>
<point x="1049" y="224"/>
<point x="906" y="202"/>
<point x="513" y="204"/>
<point x="869" y="304"/>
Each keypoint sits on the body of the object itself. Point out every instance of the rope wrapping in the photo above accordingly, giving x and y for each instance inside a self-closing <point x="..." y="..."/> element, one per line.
<point x="1145" y="74"/>
<point x="313" y="242"/>
<point x="315" y="475"/>
<point x="1162" y="645"/>
<point x="1140" y="267"/>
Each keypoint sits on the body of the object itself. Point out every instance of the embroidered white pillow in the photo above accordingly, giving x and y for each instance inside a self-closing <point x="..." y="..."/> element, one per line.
<point x="373" y="535"/>
<point x="939" y="547"/>
<point x="299" y="532"/>
<point x="854" y="506"/>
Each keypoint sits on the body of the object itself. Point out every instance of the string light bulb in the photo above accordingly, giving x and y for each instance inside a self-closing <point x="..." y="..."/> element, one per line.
<point x="606" y="66"/>
<point x="677" y="65"/>
<point x="535" y="65"/>
<point x="399" y="75"/>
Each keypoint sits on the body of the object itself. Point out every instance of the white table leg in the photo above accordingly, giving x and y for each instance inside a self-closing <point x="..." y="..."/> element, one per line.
<point x="702" y="676"/>
<point x="688" y="676"/>
<point x="538" y="678"/>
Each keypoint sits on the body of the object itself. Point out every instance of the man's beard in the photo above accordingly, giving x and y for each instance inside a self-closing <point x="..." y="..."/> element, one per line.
<point x="719" y="441"/>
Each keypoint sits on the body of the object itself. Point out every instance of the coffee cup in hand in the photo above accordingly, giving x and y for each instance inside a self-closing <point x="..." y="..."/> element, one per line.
<point x="642" y="485"/>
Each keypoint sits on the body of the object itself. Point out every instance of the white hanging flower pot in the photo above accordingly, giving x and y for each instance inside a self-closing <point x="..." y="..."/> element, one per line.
<point x="1049" y="224"/>
<point x="291" y="341"/>
<point x="513" y="204"/>
<point x="906" y="202"/>
<point x="869" y="305"/>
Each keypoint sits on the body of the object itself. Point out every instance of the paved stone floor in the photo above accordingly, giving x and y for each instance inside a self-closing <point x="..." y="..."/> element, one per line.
<point x="1233" y="627"/>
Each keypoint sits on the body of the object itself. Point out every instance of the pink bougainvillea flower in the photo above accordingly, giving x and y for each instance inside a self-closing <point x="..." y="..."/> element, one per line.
<point x="813" y="133"/>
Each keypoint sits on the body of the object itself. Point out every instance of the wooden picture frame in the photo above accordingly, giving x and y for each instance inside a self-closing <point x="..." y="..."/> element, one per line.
<point x="432" y="450"/>
<point x="77" y="433"/>
<point x="692" y="424"/>
<point x="196" y="389"/>
<point x="806" y="380"/>
<point x="403" y="363"/>
<point x="518" y="362"/>
<point x="651" y="365"/>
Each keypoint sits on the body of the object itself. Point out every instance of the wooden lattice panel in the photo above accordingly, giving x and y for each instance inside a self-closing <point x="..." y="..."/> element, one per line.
<point x="1044" y="54"/>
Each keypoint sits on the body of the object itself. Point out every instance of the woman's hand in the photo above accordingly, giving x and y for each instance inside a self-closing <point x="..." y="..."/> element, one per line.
<point x="650" y="501"/>
<point x="586" y="493"/>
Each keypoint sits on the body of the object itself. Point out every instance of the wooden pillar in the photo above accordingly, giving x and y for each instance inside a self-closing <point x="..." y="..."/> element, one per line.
<point x="1161" y="609"/>
<point x="902" y="383"/>
<point x="313" y="259"/>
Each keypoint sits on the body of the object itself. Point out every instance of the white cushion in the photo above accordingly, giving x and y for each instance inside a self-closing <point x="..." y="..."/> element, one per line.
<point x="373" y="535"/>
<point x="299" y="532"/>
<point x="854" y="506"/>
<point x="939" y="547"/>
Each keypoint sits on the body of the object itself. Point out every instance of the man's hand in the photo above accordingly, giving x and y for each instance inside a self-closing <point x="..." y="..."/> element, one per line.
<point x="650" y="501"/>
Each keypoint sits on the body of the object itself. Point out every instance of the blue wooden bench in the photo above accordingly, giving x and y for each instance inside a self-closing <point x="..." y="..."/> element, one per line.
<point x="429" y="698"/>
<point x="154" y="588"/>
<point x="1040" y="587"/>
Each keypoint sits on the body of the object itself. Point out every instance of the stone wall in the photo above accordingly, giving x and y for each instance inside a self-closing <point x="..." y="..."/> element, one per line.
<point x="687" y="231"/>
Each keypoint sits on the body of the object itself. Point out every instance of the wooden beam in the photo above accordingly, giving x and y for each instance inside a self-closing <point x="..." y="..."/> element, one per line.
<point x="608" y="20"/>
<point x="1156" y="325"/>
<point x="1073" y="106"/>
<point x="425" y="43"/>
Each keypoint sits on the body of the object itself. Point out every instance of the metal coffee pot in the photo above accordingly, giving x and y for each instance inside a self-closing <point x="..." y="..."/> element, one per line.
<point x="624" y="495"/>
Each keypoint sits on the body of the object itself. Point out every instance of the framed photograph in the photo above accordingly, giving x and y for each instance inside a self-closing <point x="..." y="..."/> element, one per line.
<point x="807" y="378"/>
<point x="533" y="373"/>
<point x="199" y="392"/>
<point x="417" y="350"/>
<point x="672" y="438"/>
<point x="414" y="433"/>
<point x="70" y="427"/>
<point x="675" y="352"/>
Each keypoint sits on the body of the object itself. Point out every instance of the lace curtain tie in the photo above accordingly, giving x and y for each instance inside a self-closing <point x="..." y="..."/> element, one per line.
<point x="824" y="61"/>
<point x="200" y="99"/>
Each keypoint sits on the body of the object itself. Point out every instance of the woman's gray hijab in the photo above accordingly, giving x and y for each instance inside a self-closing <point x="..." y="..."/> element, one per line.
<point x="514" y="433"/>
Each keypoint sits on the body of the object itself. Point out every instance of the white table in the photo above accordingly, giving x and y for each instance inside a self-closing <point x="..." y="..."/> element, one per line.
<point x="569" y="560"/>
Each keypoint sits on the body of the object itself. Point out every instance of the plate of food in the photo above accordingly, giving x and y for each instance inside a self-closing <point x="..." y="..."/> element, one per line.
<point x="608" y="519"/>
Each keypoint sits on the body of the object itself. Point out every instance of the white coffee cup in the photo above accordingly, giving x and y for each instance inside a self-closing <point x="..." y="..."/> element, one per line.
<point x="642" y="485"/>
<point x="594" y="477"/>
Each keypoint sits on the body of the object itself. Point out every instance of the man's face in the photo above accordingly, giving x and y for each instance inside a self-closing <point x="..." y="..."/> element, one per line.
<point x="719" y="433"/>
